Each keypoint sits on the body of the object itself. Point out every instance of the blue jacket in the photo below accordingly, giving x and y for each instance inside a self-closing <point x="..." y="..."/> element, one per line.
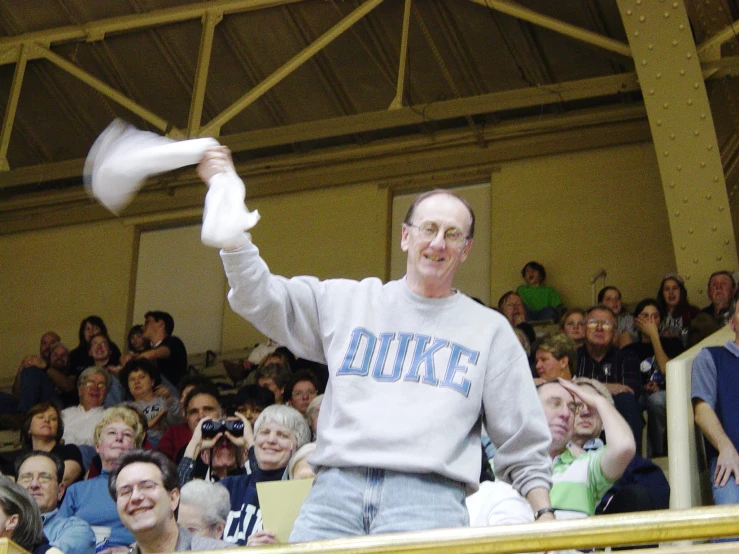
<point x="245" y="517"/>
<point x="91" y="501"/>
<point x="68" y="534"/>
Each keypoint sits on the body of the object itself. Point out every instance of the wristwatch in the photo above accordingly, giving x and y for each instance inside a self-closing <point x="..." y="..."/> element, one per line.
<point x="547" y="510"/>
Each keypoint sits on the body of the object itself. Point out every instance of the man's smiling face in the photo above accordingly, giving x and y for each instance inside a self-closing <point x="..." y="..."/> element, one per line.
<point x="432" y="262"/>
<point x="143" y="503"/>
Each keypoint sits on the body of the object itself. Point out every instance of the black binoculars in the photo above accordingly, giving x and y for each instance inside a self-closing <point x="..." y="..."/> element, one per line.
<point x="212" y="427"/>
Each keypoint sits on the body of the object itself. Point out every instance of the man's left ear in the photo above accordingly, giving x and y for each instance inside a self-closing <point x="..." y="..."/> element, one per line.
<point x="404" y="237"/>
<point x="174" y="498"/>
<point x="60" y="494"/>
<point x="466" y="249"/>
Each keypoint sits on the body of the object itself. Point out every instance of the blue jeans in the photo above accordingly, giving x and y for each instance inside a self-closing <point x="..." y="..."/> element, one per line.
<point x="8" y="404"/>
<point x="366" y="501"/>
<point x="628" y="406"/>
<point x="728" y="494"/>
<point x="656" y="422"/>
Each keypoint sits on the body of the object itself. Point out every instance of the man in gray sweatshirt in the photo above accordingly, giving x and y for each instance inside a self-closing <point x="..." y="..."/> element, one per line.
<point x="414" y="366"/>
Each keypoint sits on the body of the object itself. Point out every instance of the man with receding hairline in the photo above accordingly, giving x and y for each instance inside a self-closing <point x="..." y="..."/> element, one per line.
<point x="40" y="473"/>
<point x="720" y="290"/>
<point x="412" y="365"/>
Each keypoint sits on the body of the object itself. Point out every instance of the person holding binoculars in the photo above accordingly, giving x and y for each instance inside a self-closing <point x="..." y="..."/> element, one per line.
<point x="278" y="433"/>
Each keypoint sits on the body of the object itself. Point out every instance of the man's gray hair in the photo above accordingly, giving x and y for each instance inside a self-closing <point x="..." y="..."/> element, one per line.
<point x="289" y="418"/>
<point x="212" y="499"/>
<point x="92" y="370"/>
<point x="303" y="452"/>
<point x="597" y="385"/>
<point x="314" y="407"/>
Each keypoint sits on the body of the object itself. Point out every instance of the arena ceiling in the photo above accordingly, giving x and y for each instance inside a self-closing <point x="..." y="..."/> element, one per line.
<point x="280" y="80"/>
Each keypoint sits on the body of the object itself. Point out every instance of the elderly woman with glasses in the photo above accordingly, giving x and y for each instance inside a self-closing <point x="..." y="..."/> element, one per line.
<point x="119" y="431"/>
<point x="278" y="433"/>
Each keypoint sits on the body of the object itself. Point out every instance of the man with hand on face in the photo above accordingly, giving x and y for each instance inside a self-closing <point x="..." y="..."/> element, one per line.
<point x="41" y="473"/>
<point x="405" y="359"/>
<point x="147" y="495"/>
<point x="581" y="478"/>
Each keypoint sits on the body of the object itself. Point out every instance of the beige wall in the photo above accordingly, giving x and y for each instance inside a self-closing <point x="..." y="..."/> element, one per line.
<point x="573" y="213"/>
<point x="53" y="279"/>
<point x="338" y="232"/>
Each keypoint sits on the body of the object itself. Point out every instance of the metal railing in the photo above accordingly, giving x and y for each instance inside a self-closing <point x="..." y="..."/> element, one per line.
<point x="662" y="526"/>
<point x="596" y="532"/>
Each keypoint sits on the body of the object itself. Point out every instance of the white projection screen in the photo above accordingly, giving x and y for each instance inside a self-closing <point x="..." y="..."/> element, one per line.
<point x="177" y="274"/>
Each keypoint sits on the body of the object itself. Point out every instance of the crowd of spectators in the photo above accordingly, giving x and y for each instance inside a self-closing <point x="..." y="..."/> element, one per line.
<point x="601" y="372"/>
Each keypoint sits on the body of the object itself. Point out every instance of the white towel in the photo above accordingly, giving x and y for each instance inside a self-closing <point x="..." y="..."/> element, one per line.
<point x="123" y="157"/>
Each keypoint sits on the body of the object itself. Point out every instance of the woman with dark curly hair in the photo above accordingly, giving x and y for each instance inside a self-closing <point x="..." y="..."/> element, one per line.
<point x="143" y="384"/>
<point x="80" y="357"/>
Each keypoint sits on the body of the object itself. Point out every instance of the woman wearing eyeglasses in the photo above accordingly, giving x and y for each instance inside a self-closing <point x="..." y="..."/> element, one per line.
<point x="119" y="431"/>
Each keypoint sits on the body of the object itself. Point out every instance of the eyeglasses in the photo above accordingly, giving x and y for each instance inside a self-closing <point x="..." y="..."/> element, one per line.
<point x="144" y="487"/>
<point x="430" y="230"/>
<point x="93" y="385"/>
<point x="198" y="530"/>
<point x="593" y="323"/>
<point x="556" y="403"/>
<point x="304" y="393"/>
<point x="42" y="478"/>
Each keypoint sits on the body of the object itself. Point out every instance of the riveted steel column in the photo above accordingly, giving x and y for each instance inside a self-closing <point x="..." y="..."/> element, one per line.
<point x="684" y="137"/>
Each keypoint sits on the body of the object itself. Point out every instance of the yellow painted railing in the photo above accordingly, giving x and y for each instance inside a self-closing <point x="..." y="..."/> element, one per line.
<point x="664" y="526"/>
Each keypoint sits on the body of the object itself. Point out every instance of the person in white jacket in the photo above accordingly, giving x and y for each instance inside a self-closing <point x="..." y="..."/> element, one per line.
<point x="414" y="366"/>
